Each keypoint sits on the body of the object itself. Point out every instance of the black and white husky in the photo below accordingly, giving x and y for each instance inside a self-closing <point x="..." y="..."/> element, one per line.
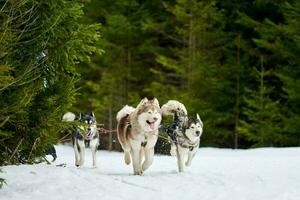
<point x="87" y="132"/>
<point x="184" y="133"/>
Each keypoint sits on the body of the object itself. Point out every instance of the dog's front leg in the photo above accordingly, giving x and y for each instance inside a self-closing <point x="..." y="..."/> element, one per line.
<point x="180" y="158"/>
<point x="76" y="151"/>
<point x="81" y="146"/>
<point x="135" y="156"/>
<point x="173" y="149"/>
<point x="191" y="155"/>
<point x="136" y="162"/>
<point x="149" y="154"/>
<point x="94" y="145"/>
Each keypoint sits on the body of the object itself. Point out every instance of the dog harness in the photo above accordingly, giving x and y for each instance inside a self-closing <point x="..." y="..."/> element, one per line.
<point x="173" y="131"/>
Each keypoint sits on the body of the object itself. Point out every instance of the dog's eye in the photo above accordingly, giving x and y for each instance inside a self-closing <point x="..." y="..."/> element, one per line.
<point x="149" y="112"/>
<point x="192" y="127"/>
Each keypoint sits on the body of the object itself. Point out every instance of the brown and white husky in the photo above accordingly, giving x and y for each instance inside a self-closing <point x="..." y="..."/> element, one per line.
<point x="138" y="131"/>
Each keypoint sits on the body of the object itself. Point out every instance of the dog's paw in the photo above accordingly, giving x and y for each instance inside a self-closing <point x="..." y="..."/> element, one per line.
<point x="188" y="164"/>
<point x="140" y="172"/>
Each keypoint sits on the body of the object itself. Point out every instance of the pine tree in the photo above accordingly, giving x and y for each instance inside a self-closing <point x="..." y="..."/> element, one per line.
<point x="122" y="74"/>
<point x="193" y="70"/>
<point x="46" y="41"/>
<point x="288" y="34"/>
<point x="263" y="119"/>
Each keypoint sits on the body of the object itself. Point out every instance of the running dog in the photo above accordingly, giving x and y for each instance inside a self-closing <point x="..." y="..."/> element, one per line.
<point x="87" y="132"/>
<point x="138" y="132"/>
<point x="184" y="133"/>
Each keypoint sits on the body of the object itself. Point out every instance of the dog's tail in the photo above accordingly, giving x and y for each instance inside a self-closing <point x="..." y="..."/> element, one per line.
<point x="69" y="117"/>
<point x="125" y="111"/>
<point x="172" y="107"/>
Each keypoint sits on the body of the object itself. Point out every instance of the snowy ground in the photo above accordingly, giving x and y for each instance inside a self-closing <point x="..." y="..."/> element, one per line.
<point x="259" y="174"/>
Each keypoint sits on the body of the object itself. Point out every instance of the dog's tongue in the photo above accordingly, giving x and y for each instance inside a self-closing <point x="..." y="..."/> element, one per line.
<point x="151" y="125"/>
<point x="88" y="135"/>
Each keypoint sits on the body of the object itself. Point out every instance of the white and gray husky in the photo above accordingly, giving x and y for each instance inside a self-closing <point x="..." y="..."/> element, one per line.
<point x="138" y="132"/>
<point x="184" y="133"/>
<point x="86" y="133"/>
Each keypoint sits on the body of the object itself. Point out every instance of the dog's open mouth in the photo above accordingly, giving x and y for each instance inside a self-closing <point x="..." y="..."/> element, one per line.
<point x="88" y="135"/>
<point x="151" y="124"/>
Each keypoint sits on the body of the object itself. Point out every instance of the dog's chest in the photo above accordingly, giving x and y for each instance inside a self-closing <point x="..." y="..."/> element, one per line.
<point x="146" y="138"/>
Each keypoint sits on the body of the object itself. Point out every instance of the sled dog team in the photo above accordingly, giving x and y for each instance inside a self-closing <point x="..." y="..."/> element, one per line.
<point x="138" y="130"/>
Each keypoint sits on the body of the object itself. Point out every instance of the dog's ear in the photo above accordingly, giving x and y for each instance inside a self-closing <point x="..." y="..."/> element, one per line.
<point x="155" y="101"/>
<point x="142" y="102"/>
<point x="198" y="117"/>
<point x="92" y="114"/>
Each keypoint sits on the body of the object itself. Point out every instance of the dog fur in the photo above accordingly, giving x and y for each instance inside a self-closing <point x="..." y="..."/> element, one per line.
<point x="187" y="132"/>
<point x="82" y="134"/>
<point x="138" y="132"/>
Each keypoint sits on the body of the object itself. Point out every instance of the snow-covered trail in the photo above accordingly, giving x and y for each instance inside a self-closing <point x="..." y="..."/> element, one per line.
<point x="258" y="174"/>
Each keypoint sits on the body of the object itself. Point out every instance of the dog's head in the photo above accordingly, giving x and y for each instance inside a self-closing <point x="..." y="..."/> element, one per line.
<point x="149" y="114"/>
<point x="89" y="119"/>
<point x="194" y="128"/>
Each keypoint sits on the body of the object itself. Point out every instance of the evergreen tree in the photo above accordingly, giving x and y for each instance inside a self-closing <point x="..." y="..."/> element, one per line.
<point x="196" y="64"/>
<point x="289" y="44"/>
<point x="122" y="74"/>
<point x="45" y="42"/>
<point x="263" y="119"/>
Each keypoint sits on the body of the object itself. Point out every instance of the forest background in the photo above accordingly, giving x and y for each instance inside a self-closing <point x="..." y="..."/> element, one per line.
<point x="236" y="63"/>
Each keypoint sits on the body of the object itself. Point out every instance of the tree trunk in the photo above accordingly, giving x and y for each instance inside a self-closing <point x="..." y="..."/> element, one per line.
<point x="237" y="105"/>
<point x="110" y="126"/>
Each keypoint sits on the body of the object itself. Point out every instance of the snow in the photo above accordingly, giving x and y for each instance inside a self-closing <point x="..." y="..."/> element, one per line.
<point x="258" y="174"/>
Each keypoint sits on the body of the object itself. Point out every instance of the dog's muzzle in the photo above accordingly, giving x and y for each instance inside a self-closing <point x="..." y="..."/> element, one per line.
<point x="152" y="124"/>
<point x="198" y="133"/>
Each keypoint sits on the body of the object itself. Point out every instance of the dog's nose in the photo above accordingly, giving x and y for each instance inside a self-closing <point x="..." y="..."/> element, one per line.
<point x="89" y="129"/>
<point x="155" y="118"/>
<point x="197" y="133"/>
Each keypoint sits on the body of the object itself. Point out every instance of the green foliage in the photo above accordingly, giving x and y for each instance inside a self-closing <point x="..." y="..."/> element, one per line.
<point x="2" y="181"/>
<point x="262" y="122"/>
<point x="202" y="53"/>
<point x="42" y="42"/>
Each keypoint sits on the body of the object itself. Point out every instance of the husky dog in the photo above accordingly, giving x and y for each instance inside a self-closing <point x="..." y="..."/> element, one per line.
<point x="82" y="134"/>
<point x="184" y="133"/>
<point x="138" y="131"/>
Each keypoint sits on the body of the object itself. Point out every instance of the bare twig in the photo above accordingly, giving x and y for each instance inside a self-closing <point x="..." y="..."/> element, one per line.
<point x="16" y="149"/>
<point x="64" y="138"/>
<point x="33" y="147"/>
